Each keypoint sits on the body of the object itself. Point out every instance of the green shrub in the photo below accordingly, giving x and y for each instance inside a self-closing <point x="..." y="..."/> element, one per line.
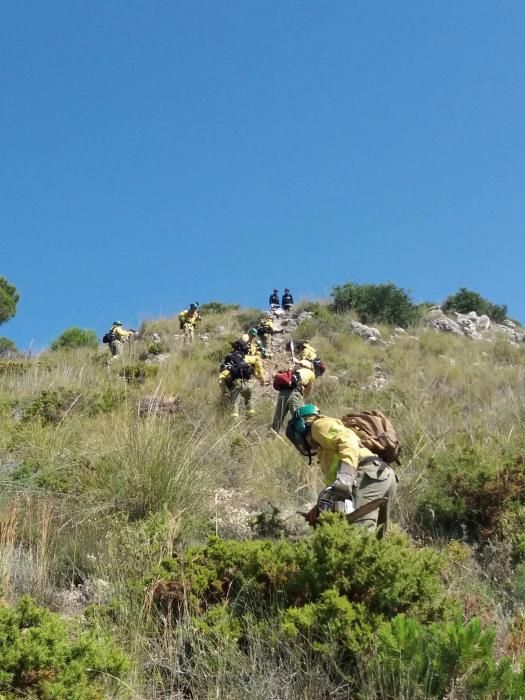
<point x="15" y="366"/>
<point x="339" y="600"/>
<point x="42" y="656"/>
<point x="470" y="489"/>
<point x="105" y="400"/>
<point x="138" y="372"/>
<point x="157" y="348"/>
<point x="323" y="322"/>
<point x="51" y="405"/>
<point x="217" y="307"/>
<point x="75" y="338"/>
<point x="9" y="298"/>
<point x="440" y="660"/>
<point x="247" y="318"/>
<point x="377" y="303"/>
<point x="270" y="576"/>
<point x="466" y="301"/>
<point x="8" y="348"/>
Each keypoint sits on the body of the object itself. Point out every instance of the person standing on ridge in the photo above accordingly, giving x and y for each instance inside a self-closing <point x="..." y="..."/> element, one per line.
<point x="273" y="301"/>
<point x="287" y="300"/>
<point x="116" y="337"/>
<point x="188" y="319"/>
<point x="352" y="472"/>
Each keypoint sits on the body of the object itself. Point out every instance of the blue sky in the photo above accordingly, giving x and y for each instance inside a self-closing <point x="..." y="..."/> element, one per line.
<point x="155" y="153"/>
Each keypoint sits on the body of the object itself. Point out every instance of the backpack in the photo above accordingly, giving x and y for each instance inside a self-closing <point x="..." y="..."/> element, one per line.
<point x="286" y="379"/>
<point x="237" y="367"/>
<point x="319" y="367"/>
<point x="265" y="327"/>
<point x="240" y="347"/>
<point x="376" y="433"/>
<point x="109" y="337"/>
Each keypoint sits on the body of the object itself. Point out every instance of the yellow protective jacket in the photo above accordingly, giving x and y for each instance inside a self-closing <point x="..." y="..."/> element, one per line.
<point x="192" y="318"/>
<point x="255" y="347"/>
<point x="307" y="380"/>
<point x="336" y="443"/>
<point x="308" y="353"/>
<point x="267" y="325"/>
<point x="120" y="333"/>
<point x="255" y="362"/>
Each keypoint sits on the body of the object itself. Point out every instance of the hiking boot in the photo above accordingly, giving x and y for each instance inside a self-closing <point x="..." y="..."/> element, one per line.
<point x="250" y="412"/>
<point x="234" y="414"/>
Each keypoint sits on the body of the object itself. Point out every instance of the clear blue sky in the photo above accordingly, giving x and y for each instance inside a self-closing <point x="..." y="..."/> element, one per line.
<point x="155" y="153"/>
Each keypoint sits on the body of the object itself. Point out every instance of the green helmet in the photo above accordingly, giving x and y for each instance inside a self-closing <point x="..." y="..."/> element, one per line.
<point x="298" y="423"/>
<point x="253" y="331"/>
<point x="309" y="409"/>
<point x="117" y="323"/>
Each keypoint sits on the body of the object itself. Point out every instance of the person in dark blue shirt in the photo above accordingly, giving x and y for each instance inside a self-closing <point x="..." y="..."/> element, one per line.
<point x="287" y="300"/>
<point x="273" y="301"/>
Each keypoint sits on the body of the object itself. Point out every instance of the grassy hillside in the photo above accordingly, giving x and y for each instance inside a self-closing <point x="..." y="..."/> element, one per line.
<point x="98" y="493"/>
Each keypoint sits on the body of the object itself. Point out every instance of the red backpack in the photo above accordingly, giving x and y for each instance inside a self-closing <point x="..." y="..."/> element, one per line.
<point x="286" y="379"/>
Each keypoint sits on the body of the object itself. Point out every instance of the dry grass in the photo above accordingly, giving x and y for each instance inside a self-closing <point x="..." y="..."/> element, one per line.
<point x="106" y="495"/>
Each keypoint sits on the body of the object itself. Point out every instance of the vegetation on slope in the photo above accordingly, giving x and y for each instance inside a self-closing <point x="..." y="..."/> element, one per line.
<point x="101" y="500"/>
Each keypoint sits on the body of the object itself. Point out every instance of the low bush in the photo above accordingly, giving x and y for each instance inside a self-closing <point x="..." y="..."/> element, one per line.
<point x="389" y="576"/>
<point x="8" y="348"/>
<point x="377" y="303"/>
<point x="53" y="405"/>
<point x="217" y="307"/>
<point x="42" y="656"/>
<point x="138" y="373"/>
<point x="75" y="338"/>
<point x="439" y="660"/>
<point x="323" y="322"/>
<point x="340" y="601"/>
<point x="466" y="301"/>
<point x="158" y="347"/>
<point x="471" y="489"/>
<point x="15" y="366"/>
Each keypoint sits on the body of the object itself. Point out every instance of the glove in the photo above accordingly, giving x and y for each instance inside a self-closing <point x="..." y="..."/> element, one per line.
<point x="344" y="481"/>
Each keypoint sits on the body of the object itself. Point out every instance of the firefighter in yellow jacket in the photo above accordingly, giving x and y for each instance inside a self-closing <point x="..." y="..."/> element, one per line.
<point x="266" y="331"/>
<point x="118" y="336"/>
<point x="188" y="319"/>
<point x="292" y="397"/>
<point x="353" y="472"/>
<point x="237" y="371"/>
<point x="306" y="351"/>
<point x="255" y="345"/>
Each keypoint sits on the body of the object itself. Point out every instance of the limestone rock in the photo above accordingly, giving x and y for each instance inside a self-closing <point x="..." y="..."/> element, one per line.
<point x="368" y="333"/>
<point x="444" y="324"/>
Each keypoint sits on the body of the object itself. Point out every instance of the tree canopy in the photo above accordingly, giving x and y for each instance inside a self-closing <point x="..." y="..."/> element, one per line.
<point x="8" y="300"/>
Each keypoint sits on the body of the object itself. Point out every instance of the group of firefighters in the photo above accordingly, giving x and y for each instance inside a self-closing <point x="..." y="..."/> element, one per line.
<point x="360" y="483"/>
<point x="358" y="479"/>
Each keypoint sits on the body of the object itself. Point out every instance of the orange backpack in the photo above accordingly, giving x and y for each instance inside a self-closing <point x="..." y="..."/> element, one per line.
<point x="376" y="433"/>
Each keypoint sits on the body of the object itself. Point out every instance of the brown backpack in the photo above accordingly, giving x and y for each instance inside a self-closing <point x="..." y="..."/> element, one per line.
<point x="376" y="432"/>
